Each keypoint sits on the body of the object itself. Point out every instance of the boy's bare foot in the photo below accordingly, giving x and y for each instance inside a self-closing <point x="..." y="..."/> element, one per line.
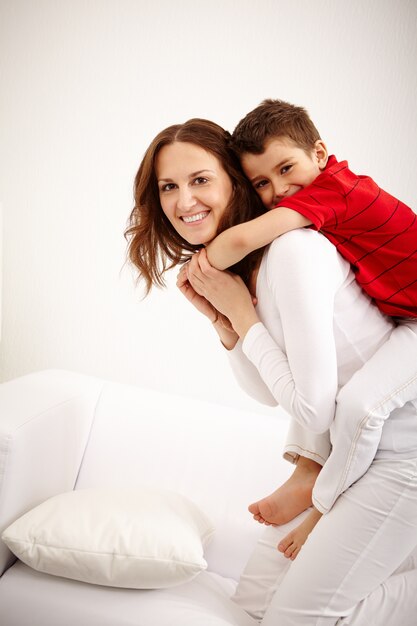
<point x="289" y="500"/>
<point x="291" y="545"/>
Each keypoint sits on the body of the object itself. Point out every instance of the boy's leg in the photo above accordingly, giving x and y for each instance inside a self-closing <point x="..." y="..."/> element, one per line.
<point x="291" y="498"/>
<point x="386" y="382"/>
<point x="308" y="451"/>
<point x="354" y="549"/>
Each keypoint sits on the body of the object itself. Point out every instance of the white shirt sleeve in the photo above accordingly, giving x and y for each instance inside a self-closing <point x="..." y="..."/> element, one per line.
<point x="299" y="281"/>
<point x="248" y="377"/>
<point x="300" y="441"/>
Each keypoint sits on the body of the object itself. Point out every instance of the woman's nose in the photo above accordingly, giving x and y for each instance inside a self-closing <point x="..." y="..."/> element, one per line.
<point x="186" y="200"/>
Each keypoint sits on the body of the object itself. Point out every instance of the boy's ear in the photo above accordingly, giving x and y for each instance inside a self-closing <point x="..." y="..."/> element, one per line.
<point x="321" y="153"/>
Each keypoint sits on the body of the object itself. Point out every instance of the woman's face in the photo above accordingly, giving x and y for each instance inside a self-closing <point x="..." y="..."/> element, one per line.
<point x="194" y="190"/>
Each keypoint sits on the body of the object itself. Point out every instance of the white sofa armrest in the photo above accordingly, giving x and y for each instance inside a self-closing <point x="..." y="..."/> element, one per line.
<point x="45" y="421"/>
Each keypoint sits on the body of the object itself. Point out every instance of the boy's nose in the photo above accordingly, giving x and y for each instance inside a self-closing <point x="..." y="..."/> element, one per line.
<point x="280" y="191"/>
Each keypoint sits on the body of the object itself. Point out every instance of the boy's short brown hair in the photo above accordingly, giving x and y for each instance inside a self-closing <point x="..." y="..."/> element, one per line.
<point x="273" y="119"/>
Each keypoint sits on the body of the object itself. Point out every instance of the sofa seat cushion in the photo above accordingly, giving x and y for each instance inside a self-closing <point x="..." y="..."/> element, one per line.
<point x="55" y="601"/>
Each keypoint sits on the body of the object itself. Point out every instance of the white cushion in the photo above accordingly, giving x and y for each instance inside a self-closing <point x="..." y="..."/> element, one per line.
<point x="139" y="538"/>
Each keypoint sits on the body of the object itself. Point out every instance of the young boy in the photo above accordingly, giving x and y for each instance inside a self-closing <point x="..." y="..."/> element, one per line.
<point x="284" y="157"/>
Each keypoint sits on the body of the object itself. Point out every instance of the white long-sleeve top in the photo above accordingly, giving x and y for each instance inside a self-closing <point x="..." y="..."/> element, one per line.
<point x="317" y="328"/>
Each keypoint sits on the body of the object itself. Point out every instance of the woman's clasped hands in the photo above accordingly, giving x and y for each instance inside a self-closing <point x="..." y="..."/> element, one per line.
<point x="213" y="292"/>
<point x="196" y="299"/>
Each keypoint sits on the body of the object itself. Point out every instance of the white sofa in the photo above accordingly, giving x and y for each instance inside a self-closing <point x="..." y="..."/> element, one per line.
<point x="61" y="431"/>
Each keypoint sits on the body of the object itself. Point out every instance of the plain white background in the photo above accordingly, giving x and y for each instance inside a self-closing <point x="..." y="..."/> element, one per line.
<point x="84" y="87"/>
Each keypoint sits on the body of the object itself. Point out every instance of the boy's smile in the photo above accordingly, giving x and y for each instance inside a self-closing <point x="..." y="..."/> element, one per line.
<point x="283" y="169"/>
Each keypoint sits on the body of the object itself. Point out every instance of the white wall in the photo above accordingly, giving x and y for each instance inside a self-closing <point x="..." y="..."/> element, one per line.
<point x="86" y="84"/>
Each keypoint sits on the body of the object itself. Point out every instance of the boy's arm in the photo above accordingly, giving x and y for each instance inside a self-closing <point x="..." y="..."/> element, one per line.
<point x="233" y="244"/>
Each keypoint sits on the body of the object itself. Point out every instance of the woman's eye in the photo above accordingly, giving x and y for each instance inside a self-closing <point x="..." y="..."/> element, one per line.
<point x="167" y="187"/>
<point x="260" y="184"/>
<point x="200" y="180"/>
<point x="285" y="169"/>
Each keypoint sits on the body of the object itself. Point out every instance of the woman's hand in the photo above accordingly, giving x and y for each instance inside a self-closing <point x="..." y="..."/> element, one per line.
<point x="226" y="292"/>
<point x="222" y="325"/>
<point x="198" y="301"/>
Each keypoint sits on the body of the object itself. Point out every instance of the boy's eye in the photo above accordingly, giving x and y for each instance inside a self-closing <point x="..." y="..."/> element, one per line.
<point x="260" y="184"/>
<point x="285" y="169"/>
<point x="200" y="180"/>
<point x="167" y="187"/>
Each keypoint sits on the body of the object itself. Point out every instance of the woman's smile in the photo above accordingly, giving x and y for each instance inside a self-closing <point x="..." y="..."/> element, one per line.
<point x="197" y="217"/>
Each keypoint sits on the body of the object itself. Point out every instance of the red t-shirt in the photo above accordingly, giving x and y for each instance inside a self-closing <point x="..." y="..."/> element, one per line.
<point x="373" y="230"/>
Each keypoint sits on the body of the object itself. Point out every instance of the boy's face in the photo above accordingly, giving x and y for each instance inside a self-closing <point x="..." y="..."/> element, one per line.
<point x="283" y="169"/>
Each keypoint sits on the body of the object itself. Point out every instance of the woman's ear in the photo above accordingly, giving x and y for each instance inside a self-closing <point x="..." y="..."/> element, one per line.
<point x="321" y="154"/>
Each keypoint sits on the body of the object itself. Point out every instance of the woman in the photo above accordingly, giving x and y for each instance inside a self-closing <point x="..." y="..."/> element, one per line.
<point x="157" y="244"/>
<point x="306" y="337"/>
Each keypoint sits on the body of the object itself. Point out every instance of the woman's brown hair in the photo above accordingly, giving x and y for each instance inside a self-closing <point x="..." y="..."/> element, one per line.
<point x="154" y="246"/>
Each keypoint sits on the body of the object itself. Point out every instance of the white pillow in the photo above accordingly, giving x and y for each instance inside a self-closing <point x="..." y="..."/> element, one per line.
<point x="139" y="538"/>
